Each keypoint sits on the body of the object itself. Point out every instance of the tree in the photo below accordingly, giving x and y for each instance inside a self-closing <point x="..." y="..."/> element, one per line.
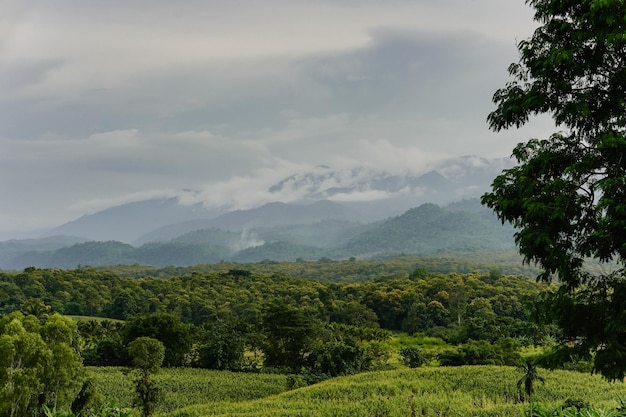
<point x="23" y="356"/>
<point x="64" y="378"/>
<point x="567" y="194"/>
<point x="527" y="381"/>
<point x="222" y="347"/>
<point x="147" y="355"/>
<point x="39" y="364"/>
<point x="289" y="336"/>
<point x="175" y="335"/>
<point x="412" y="357"/>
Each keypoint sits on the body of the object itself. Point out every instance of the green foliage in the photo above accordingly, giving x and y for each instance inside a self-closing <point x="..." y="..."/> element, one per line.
<point x="412" y="357"/>
<point x="455" y="307"/>
<point x="147" y="355"/>
<point x="289" y="336"/>
<point x="481" y="352"/>
<point x="567" y="194"/>
<point x="103" y="411"/>
<point x="526" y="384"/>
<point x="168" y="329"/>
<point x="39" y="363"/>
<point x="222" y="347"/>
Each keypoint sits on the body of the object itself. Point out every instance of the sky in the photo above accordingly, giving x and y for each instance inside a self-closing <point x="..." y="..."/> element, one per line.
<point x="103" y="103"/>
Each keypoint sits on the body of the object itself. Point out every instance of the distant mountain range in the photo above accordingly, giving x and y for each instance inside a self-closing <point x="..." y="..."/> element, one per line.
<point x="337" y="214"/>
<point x="465" y="228"/>
<point x="364" y="195"/>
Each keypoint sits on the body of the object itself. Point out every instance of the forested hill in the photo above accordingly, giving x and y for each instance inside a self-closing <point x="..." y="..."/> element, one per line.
<point x="430" y="229"/>
<point x="458" y="231"/>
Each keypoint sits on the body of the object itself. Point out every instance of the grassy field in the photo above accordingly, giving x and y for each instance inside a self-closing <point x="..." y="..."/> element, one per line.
<point x="431" y="391"/>
<point x="186" y="386"/>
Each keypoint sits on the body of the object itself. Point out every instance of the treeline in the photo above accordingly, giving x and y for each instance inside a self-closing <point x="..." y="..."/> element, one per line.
<point x="292" y="322"/>
<point x="392" y="302"/>
<point x="347" y="270"/>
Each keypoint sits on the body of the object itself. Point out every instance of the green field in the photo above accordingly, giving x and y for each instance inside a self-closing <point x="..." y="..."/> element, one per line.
<point x="182" y="387"/>
<point x="429" y="391"/>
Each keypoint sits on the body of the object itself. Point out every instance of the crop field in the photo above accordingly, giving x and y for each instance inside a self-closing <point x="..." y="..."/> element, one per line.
<point x="183" y="387"/>
<point x="429" y="391"/>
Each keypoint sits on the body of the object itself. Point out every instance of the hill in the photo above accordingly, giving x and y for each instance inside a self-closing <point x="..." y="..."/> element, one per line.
<point x="430" y="229"/>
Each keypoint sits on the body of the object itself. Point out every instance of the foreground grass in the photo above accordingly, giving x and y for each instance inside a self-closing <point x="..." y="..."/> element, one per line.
<point x="182" y="387"/>
<point x="463" y="391"/>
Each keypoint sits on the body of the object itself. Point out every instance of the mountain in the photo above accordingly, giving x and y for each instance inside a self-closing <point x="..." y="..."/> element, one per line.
<point x="324" y="212"/>
<point x="268" y="215"/>
<point x="280" y="214"/>
<point x="450" y="180"/>
<point x="13" y="248"/>
<point x="464" y="228"/>
<point x="359" y="194"/>
<point x="128" y="221"/>
<point x="430" y="229"/>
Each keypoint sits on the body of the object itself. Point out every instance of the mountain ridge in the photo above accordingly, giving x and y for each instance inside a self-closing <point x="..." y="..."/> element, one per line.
<point x="424" y="230"/>
<point x="366" y="194"/>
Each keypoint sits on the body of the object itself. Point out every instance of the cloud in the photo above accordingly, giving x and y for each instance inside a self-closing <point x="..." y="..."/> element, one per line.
<point x="107" y="104"/>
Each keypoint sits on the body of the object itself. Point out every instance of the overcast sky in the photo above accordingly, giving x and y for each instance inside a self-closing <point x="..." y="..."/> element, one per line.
<point x="104" y="102"/>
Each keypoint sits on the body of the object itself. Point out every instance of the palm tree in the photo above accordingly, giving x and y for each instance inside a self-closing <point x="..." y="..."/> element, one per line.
<point x="531" y="374"/>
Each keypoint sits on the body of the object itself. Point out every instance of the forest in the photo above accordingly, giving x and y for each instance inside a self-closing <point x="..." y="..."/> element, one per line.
<point x="253" y="322"/>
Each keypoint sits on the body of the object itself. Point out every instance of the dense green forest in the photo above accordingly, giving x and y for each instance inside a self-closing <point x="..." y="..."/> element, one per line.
<point x="247" y="310"/>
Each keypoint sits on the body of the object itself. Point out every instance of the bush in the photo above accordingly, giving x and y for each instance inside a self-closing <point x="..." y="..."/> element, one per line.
<point x="412" y="357"/>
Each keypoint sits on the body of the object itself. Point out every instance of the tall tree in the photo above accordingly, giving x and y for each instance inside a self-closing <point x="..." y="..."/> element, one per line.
<point x="147" y="355"/>
<point x="567" y="195"/>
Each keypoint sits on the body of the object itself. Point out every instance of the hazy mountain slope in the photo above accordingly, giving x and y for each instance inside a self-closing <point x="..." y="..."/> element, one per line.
<point x="88" y="253"/>
<point x="16" y="247"/>
<point x="268" y="215"/>
<point x="278" y="251"/>
<point x="324" y="234"/>
<point x="357" y="194"/>
<point x="179" y="254"/>
<point x="278" y="214"/>
<point x="463" y="228"/>
<point x="129" y="221"/>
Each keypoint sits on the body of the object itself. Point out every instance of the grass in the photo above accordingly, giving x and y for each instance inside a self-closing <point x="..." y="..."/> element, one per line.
<point x="182" y="387"/>
<point x="88" y="318"/>
<point x="487" y="391"/>
<point x="434" y="391"/>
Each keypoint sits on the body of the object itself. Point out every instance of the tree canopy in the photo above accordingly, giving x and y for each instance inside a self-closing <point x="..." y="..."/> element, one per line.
<point x="567" y="194"/>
